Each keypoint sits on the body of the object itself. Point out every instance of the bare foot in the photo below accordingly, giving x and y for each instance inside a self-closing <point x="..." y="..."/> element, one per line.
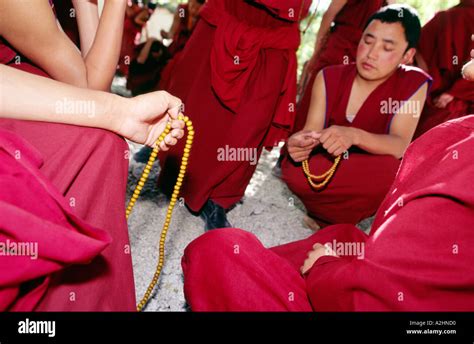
<point x="310" y="223"/>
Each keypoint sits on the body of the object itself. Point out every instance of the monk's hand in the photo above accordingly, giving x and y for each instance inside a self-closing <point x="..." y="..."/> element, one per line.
<point x="147" y="116"/>
<point x="338" y="139"/>
<point x="443" y="100"/>
<point x="317" y="252"/>
<point x="301" y="144"/>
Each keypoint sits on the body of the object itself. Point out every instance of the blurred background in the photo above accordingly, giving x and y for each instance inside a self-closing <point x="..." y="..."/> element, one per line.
<point x="162" y="19"/>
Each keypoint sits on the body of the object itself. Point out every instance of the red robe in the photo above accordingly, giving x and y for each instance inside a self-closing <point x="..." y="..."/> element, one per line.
<point x="77" y="161"/>
<point x="130" y="32"/>
<point x="418" y="256"/>
<point x="362" y="179"/>
<point x="180" y="39"/>
<point x="340" y="47"/>
<point x="238" y="105"/>
<point x="35" y="214"/>
<point x="446" y="48"/>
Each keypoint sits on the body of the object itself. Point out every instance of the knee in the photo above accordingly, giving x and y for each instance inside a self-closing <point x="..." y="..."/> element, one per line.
<point x="216" y="241"/>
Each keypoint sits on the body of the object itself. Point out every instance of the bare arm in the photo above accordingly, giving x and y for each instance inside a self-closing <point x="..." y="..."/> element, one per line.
<point x="87" y="16"/>
<point x="145" y="52"/>
<point x="303" y="142"/>
<point x="174" y="26"/>
<point x="49" y="48"/>
<point x="142" y="119"/>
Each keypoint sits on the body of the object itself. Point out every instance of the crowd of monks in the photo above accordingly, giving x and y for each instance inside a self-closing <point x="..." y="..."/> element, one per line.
<point x="386" y="101"/>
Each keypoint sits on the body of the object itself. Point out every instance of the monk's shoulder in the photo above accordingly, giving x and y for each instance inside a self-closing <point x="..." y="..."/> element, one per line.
<point x="410" y="75"/>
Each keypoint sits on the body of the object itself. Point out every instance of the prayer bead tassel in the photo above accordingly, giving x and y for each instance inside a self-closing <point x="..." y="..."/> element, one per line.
<point x="319" y="182"/>
<point x="174" y="198"/>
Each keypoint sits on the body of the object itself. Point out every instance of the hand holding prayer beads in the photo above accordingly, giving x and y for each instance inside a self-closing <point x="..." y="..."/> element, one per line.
<point x="174" y="198"/>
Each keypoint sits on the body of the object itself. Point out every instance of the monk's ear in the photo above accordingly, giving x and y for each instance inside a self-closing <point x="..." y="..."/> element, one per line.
<point x="409" y="56"/>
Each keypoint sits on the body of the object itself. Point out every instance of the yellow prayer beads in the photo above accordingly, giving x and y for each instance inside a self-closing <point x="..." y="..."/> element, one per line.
<point x="319" y="182"/>
<point x="174" y="199"/>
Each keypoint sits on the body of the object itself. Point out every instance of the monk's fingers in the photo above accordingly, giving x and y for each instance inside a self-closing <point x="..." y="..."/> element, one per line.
<point x="329" y="142"/>
<point x="335" y="146"/>
<point x="177" y="133"/>
<point x="340" y="151"/>
<point x="325" y="135"/>
<point x="317" y="245"/>
<point x="177" y="124"/>
<point x="170" y="140"/>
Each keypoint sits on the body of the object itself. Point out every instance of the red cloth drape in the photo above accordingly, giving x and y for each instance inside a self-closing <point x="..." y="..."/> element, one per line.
<point x="418" y="256"/>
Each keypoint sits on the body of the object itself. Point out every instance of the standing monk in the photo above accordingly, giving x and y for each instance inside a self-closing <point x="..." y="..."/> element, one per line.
<point x="444" y="48"/>
<point x="366" y="112"/>
<point x="237" y="78"/>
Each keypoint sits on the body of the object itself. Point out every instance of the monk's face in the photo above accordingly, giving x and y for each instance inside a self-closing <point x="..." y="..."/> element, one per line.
<point x="381" y="50"/>
<point x="194" y="7"/>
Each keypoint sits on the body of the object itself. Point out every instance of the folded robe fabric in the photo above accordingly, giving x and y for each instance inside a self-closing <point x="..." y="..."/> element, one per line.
<point x="35" y="216"/>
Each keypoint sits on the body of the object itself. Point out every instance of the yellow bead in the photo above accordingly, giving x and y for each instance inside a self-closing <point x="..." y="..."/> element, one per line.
<point x="186" y="118"/>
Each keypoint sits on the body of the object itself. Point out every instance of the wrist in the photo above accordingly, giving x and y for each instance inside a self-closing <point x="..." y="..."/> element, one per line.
<point x="117" y="109"/>
<point x="356" y="136"/>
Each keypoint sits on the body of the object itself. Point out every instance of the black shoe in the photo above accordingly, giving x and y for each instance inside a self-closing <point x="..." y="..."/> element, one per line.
<point x="214" y="216"/>
<point x="276" y="170"/>
<point x="143" y="155"/>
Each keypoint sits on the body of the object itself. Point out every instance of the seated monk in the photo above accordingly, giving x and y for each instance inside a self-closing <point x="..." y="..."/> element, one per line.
<point x="442" y="51"/>
<point x="145" y="71"/>
<point x="85" y="163"/>
<point x="418" y="256"/>
<point x="367" y="112"/>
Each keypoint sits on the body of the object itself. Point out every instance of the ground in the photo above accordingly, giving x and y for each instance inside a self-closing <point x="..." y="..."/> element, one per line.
<point x="269" y="210"/>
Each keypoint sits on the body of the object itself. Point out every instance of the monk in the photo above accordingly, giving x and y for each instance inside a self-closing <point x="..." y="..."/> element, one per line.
<point x="237" y="78"/>
<point x="443" y="50"/>
<point x="367" y="112"/>
<point x="418" y="256"/>
<point x="76" y="159"/>
<point x="58" y="195"/>
<point x="184" y="21"/>
<point x="335" y="44"/>
<point x="136" y="18"/>
<point x="145" y="71"/>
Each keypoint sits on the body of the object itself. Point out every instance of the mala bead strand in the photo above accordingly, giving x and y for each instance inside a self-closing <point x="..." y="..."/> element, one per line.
<point x="174" y="199"/>
<point x="319" y="182"/>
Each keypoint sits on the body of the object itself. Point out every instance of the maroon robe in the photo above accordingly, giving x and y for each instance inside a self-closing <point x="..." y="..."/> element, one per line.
<point x="362" y="179"/>
<point x="446" y="48"/>
<point x="340" y="47"/>
<point x="418" y="256"/>
<point x="77" y="161"/>
<point x="36" y="216"/>
<point x="238" y="105"/>
<point x="130" y="32"/>
<point x="180" y="38"/>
